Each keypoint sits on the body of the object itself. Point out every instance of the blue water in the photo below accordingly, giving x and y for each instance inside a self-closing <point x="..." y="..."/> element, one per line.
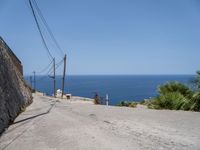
<point x="118" y="87"/>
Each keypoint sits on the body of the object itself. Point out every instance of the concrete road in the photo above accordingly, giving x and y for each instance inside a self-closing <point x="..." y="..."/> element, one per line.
<point x="49" y="124"/>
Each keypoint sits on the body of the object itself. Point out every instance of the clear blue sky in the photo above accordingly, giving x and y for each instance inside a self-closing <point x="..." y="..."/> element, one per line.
<point x="108" y="36"/>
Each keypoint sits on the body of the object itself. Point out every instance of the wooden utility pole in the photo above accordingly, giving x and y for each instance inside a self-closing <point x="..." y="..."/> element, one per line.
<point x="31" y="81"/>
<point x="54" y="76"/>
<point x="34" y="80"/>
<point x="63" y="79"/>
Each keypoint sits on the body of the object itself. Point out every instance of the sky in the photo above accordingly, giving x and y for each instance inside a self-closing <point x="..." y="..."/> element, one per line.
<point x="108" y="36"/>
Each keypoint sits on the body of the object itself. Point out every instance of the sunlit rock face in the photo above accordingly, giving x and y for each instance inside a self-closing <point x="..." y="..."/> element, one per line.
<point x="15" y="94"/>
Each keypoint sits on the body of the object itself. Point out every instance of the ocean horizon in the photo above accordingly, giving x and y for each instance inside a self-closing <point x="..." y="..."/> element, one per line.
<point x="118" y="87"/>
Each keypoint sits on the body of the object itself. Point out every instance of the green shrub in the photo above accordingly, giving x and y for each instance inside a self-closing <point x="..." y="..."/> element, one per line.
<point x="123" y="103"/>
<point x="175" y="87"/>
<point x="127" y="104"/>
<point x="142" y="102"/>
<point x="195" y="106"/>
<point x="172" y="100"/>
<point x="187" y="105"/>
<point x="196" y="81"/>
<point x="133" y="104"/>
<point x="177" y="96"/>
<point x="96" y="99"/>
<point x="33" y="90"/>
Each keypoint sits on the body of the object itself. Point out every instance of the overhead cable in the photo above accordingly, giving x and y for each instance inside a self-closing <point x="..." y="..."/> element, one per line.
<point x="47" y="27"/>
<point x="39" y="29"/>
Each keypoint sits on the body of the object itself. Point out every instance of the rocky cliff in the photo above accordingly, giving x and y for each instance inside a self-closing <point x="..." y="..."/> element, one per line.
<point x="15" y="94"/>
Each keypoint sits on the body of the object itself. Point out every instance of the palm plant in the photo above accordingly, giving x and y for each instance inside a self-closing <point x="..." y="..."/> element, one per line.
<point x="196" y="80"/>
<point x="175" y="87"/>
<point x="195" y="102"/>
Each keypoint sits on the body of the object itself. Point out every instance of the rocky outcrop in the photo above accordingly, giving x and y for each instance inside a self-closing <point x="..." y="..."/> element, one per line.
<point x="15" y="94"/>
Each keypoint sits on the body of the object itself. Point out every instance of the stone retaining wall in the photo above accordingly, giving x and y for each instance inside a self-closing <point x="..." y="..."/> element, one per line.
<point x="15" y="94"/>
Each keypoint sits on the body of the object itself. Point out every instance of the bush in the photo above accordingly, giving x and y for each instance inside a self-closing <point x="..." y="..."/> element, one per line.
<point x="174" y="96"/>
<point x="33" y="90"/>
<point x="177" y="96"/>
<point x="172" y="100"/>
<point x="96" y="99"/>
<point x="142" y="102"/>
<point x="127" y="104"/>
<point x="195" y="106"/>
<point x="133" y="104"/>
<point x="124" y="103"/>
<point x="175" y="87"/>
<point x="196" y="81"/>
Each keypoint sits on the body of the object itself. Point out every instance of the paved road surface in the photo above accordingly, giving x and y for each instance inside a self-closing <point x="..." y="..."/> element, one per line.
<point x="49" y="124"/>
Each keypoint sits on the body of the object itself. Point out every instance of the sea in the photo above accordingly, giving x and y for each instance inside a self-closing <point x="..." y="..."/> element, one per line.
<point x="118" y="87"/>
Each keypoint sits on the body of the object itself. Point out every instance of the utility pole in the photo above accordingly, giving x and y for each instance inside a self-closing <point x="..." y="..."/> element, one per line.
<point x="31" y="81"/>
<point x="34" y="80"/>
<point x="63" y="79"/>
<point x="54" y="76"/>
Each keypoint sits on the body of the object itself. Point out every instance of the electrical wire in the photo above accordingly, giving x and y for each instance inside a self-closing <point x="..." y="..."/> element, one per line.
<point x="60" y="62"/>
<point x="44" y="69"/>
<point x="40" y="31"/>
<point x="47" y="74"/>
<point x="37" y="14"/>
<point x="47" y="27"/>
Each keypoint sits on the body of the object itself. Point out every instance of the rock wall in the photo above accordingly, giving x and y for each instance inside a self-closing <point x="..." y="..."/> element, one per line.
<point x="14" y="58"/>
<point x="15" y="94"/>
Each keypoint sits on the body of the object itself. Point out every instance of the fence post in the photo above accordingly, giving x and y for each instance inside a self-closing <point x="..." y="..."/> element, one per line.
<point x="107" y="99"/>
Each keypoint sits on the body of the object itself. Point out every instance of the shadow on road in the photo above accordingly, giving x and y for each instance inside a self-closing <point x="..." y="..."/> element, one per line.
<point x="32" y="117"/>
<point x="48" y="111"/>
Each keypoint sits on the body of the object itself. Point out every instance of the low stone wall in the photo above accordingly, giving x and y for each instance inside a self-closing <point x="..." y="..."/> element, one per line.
<point x="15" y="94"/>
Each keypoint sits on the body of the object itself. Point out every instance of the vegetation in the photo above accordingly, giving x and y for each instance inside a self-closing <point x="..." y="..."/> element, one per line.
<point x="172" y="100"/>
<point x="175" y="87"/>
<point x="195" y="102"/>
<point x="33" y="90"/>
<point x="22" y="109"/>
<point x="196" y="81"/>
<point x="177" y="96"/>
<point x="127" y="104"/>
<point x="96" y="99"/>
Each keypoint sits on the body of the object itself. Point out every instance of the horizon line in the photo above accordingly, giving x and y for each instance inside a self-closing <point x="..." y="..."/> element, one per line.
<point x="113" y="74"/>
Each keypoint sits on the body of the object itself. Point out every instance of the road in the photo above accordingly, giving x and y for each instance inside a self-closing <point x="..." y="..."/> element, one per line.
<point x="53" y="124"/>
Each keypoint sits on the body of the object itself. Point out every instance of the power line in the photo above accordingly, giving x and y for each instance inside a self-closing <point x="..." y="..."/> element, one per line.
<point x="59" y="63"/>
<point x="28" y="6"/>
<point x="47" y="27"/>
<point x="44" y="69"/>
<point x="48" y="73"/>
<point x="37" y="14"/>
<point x="41" y="78"/>
<point x="57" y="67"/>
<point x="40" y="31"/>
